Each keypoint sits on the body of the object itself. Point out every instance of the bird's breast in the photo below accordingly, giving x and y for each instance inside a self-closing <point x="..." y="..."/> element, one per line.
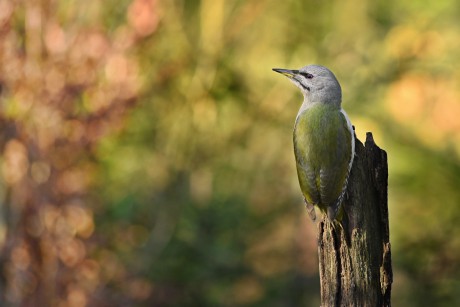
<point x="318" y="133"/>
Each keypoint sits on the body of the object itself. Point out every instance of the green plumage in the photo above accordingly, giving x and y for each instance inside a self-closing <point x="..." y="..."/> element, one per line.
<point x="322" y="147"/>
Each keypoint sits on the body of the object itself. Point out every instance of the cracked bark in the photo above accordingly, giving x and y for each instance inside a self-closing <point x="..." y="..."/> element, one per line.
<point x="355" y="259"/>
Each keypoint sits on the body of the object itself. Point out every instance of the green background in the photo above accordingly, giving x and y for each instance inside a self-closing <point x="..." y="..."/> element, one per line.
<point x="152" y="147"/>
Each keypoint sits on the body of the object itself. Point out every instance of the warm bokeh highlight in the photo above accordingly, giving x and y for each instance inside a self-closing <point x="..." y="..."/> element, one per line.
<point x="146" y="147"/>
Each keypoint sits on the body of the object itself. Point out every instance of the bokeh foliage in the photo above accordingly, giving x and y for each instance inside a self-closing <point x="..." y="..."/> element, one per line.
<point x="147" y="149"/>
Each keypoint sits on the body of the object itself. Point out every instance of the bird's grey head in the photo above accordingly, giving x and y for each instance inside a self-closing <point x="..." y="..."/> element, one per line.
<point x="317" y="83"/>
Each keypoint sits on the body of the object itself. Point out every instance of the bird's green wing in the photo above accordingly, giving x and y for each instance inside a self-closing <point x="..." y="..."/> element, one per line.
<point x="323" y="150"/>
<point x="336" y="165"/>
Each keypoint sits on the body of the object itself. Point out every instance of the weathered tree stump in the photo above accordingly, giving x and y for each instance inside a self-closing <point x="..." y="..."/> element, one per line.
<point x="355" y="258"/>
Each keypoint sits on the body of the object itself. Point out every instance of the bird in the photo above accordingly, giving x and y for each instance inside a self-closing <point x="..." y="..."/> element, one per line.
<point x="324" y="143"/>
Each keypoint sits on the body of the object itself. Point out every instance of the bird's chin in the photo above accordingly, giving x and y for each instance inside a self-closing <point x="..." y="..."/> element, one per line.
<point x="302" y="87"/>
<point x="305" y="90"/>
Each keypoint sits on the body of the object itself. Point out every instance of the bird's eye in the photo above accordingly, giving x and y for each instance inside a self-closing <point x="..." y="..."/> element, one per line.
<point x="307" y="75"/>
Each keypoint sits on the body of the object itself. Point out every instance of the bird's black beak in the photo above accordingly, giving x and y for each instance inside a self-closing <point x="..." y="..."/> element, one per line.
<point x="287" y="72"/>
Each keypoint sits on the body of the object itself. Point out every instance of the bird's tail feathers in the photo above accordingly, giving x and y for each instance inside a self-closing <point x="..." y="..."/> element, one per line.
<point x="334" y="210"/>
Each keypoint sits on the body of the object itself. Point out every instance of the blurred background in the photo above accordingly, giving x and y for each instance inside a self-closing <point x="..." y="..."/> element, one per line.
<point x="146" y="147"/>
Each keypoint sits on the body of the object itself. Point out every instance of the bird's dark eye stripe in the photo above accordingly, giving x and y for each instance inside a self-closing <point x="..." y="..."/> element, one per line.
<point x="306" y="75"/>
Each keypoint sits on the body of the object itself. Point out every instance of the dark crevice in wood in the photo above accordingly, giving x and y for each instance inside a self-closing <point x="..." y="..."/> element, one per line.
<point x="338" y="296"/>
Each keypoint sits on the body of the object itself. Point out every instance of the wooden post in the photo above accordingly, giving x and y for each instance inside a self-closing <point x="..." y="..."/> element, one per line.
<point x="355" y="259"/>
